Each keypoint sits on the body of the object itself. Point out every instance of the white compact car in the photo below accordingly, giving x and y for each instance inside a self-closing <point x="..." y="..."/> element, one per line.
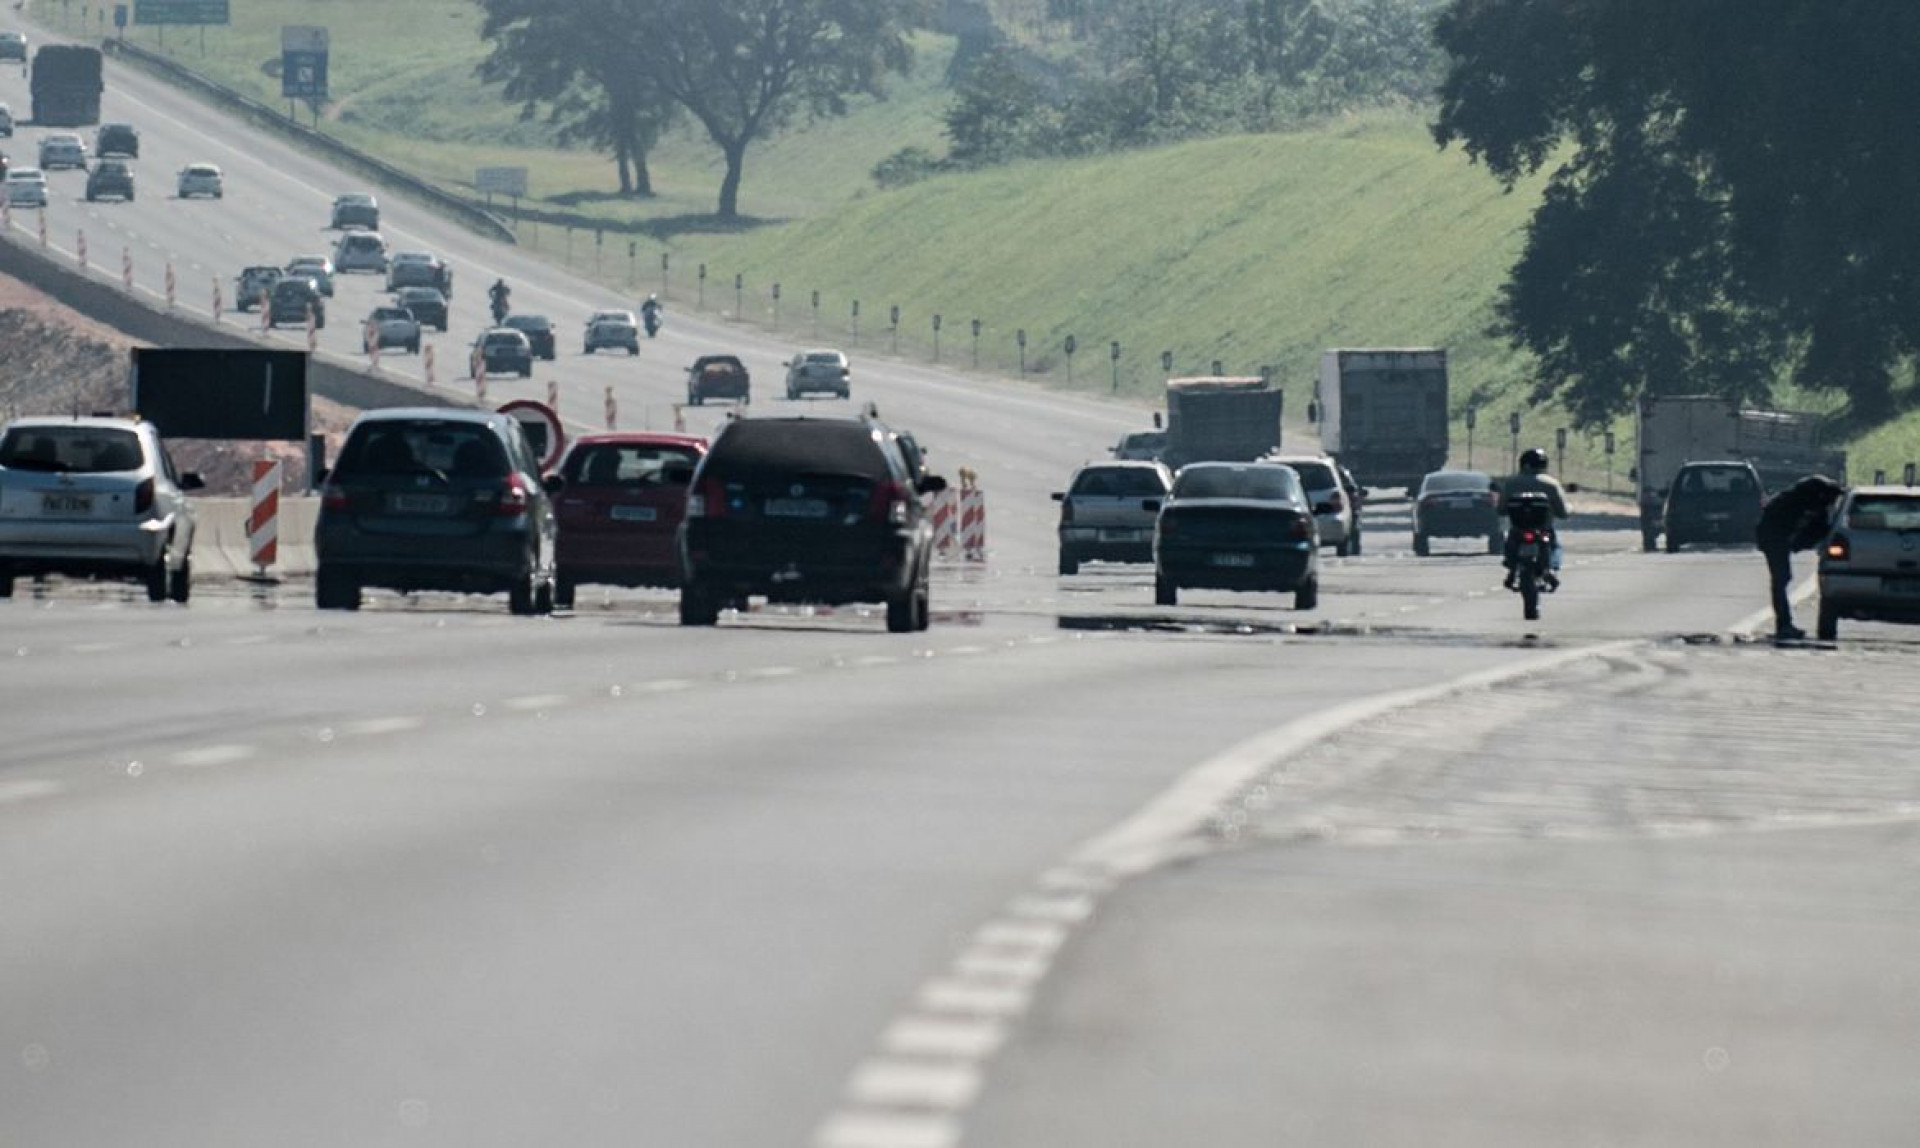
<point x="96" y="498"/>
<point x="360" y="251"/>
<point x="201" y="179"/>
<point x="26" y="187"/>
<point x="62" y="150"/>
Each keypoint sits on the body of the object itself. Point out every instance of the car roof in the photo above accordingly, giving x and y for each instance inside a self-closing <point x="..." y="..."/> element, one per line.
<point x="639" y="438"/>
<point x="431" y="414"/>
<point x="508" y="331"/>
<point x="777" y="443"/>
<point x="1123" y="464"/>
<point x="419" y="290"/>
<point x="310" y="259"/>
<point x="413" y="257"/>
<point x="118" y="421"/>
<point x="1463" y="473"/>
<point x="1708" y="463"/>
<point x="354" y="197"/>
<point x="516" y="320"/>
<point x="1885" y="490"/>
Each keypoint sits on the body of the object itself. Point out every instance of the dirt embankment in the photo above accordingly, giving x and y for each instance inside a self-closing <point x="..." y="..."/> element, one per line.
<point x="58" y="361"/>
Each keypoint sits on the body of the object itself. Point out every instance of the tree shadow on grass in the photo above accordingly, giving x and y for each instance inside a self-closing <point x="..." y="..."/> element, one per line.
<point x="660" y="228"/>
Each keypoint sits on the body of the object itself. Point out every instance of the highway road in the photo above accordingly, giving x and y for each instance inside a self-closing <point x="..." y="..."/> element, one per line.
<point x="1068" y="869"/>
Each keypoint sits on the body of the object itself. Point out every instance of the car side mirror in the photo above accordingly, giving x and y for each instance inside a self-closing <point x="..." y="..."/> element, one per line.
<point x="553" y="483"/>
<point x="1573" y="488"/>
<point x="1156" y="421"/>
<point x="1150" y="505"/>
<point x="192" y="481"/>
<point x="1059" y="496"/>
<point x="1313" y="411"/>
<point x="932" y="484"/>
<point x="321" y="476"/>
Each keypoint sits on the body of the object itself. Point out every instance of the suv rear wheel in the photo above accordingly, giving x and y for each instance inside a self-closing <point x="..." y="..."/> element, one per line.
<point x="698" y="607"/>
<point x="333" y="590"/>
<point x="902" y="613"/>
<point x="1165" y="593"/>
<point x="1068" y="564"/>
<point x="158" y="576"/>
<point x="180" y="582"/>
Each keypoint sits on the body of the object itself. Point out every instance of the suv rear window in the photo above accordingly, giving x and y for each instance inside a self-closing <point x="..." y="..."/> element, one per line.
<point x="1885" y="512"/>
<point x="71" y="450"/>
<point x="391" y="447"/>
<point x="1263" y="482"/>
<point x="1315" y="475"/>
<point x="1716" y="480"/>
<point x="1460" y="481"/>
<point x="1118" y="482"/>
<point x="782" y="445"/>
<point x="626" y="464"/>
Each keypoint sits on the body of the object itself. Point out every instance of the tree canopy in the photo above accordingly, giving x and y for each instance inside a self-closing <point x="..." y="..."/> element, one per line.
<point x="1730" y="195"/>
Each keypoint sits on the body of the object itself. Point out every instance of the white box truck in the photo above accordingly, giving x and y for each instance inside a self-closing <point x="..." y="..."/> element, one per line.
<point x="1383" y="413"/>
<point x="1677" y="429"/>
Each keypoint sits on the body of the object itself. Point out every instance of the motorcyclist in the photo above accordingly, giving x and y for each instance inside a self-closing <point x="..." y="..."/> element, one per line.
<point x="499" y="293"/>
<point x="650" y="313"/>
<point x="1533" y="479"/>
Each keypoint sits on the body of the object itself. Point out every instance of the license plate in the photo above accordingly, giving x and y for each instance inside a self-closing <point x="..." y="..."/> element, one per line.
<point x="66" y="504"/>
<point x="797" y="508"/>
<point x="1528" y="550"/>
<point x="1119" y="536"/>
<point x="420" y="504"/>
<point x="1719" y="517"/>
<point x="635" y="514"/>
<point x="1237" y="560"/>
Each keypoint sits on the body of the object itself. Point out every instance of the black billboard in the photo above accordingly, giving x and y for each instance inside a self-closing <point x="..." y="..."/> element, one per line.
<point x="224" y="394"/>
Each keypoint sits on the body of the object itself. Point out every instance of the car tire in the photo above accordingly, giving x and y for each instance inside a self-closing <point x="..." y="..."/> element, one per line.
<point x="334" y="591"/>
<point x="1165" y="593"/>
<point x="158" y="575"/>
<point x="6" y="582"/>
<point x="1069" y="564"/>
<point x="633" y="350"/>
<point x="1673" y="544"/>
<point x="1649" y="540"/>
<point x="1827" y="629"/>
<point x="522" y="599"/>
<point x="922" y="609"/>
<point x="526" y="372"/>
<point x="900" y="611"/>
<point x="1343" y="548"/>
<point x="1495" y="543"/>
<point x="698" y="400"/>
<point x="698" y="606"/>
<point x="846" y="394"/>
<point x="792" y="396"/>
<point x="1307" y="595"/>
<point x="1420" y="546"/>
<point x="180" y="582"/>
<point x="413" y="348"/>
<point x="543" y="598"/>
<point x="564" y="588"/>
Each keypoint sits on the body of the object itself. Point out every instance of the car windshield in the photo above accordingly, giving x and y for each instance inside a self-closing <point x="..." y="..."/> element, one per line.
<point x="528" y="322"/>
<point x="1456" y="480"/>
<point x="1144" y="440"/>
<point x="1717" y="480"/>
<point x="829" y="358"/>
<point x="70" y="450"/>
<point x="1885" y="512"/>
<point x="399" y="313"/>
<point x="503" y="339"/>
<point x="626" y="464"/>
<point x="391" y="447"/>
<point x="1118" y="482"/>
<point x="1253" y="480"/>
<point x="1314" y="475"/>
<point x="783" y="446"/>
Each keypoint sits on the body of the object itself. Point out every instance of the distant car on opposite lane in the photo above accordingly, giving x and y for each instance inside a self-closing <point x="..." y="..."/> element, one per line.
<point x="1237" y="526"/>
<point x="252" y="283"/>
<point x="117" y="139"/>
<point x="1712" y="502"/>
<point x="1107" y="513"/>
<point x="393" y="327"/>
<point x="13" y="46"/>
<point x="201" y="179"/>
<point x="356" y="209"/>
<point x="620" y="501"/>
<point x="62" y="150"/>
<point x="318" y="268"/>
<point x="110" y="179"/>
<point x="1139" y="446"/>
<point x="499" y="350"/>
<point x="427" y="304"/>
<point x="1457" y="504"/>
<point x="617" y="329"/>
<point x="95" y="498"/>
<point x="419" y="269"/>
<point x="539" y="332"/>
<point x="26" y="187"/>
<point x="292" y="298"/>
<point x="822" y="372"/>
<point x="718" y="377"/>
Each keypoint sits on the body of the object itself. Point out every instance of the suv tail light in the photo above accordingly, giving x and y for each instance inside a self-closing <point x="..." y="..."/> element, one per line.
<point x="708" y="500"/>
<point x="143" y="496"/>
<point x="333" y="497"/>
<point x="1302" y="527"/>
<point x="1837" y="549"/>
<point x="888" y="503"/>
<point x="514" y="500"/>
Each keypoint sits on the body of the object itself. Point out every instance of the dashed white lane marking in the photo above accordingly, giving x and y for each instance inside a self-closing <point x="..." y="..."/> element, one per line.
<point x="664" y="686"/>
<point x="250" y="640"/>
<point x="97" y="647"/>
<point x="908" y="1084"/>
<point x="933" y="1058"/>
<point x="535" y="702"/>
<point x="371" y="727"/>
<point x="14" y="792"/>
<point x="887" y="1130"/>
<point x="211" y="755"/>
<point x="772" y="672"/>
<point x="874" y="660"/>
<point x="966" y="1037"/>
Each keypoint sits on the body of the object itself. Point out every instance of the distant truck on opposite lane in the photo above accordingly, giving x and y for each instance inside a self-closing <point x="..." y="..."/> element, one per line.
<point x="66" y="86"/>
<point x="1221" y="419"/>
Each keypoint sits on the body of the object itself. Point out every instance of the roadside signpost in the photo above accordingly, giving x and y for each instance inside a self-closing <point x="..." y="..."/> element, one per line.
<point x="181" y="12"/>
<point x="542" y="426"/>
<point x="303" y="67"/>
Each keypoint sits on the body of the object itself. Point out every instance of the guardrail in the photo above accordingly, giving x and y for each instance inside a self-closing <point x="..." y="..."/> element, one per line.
<point x="468" y="212"/>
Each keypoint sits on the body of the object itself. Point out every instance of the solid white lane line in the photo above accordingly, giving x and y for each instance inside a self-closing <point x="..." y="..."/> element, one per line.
<point x="664" y="686"/>
<point x="210" y="756"/>
<point x="967" y="997"/>
<point x="956" y="1038"/>
<point x="772" y="672"/>
<point x="250" y="640"/>
<point x="535" y="702"/>
<point x="1021" y="935"/>
<point x="1069" y="910"/>
<point x="857" y="1129"/>
<point x="97" y="647"/>
<point x="14" y="792"/>
<point x="374" y="726"/>
<point x="992" y="965"/>
<point x="907" y="1084"/>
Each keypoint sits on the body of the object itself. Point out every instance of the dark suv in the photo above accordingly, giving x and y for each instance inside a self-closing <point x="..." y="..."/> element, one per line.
<point x="435" y="499"/>
<point x="1713" y="502"/>
<point x="117" y="139"/>
<point x="807" y="510"/>
<point x="289" y="300"/>
<point x="717" y="377"/>
<point x="110" y="178"/>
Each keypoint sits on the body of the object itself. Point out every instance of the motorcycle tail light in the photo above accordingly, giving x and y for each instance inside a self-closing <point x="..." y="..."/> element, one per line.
<point x="1529" y="536"/>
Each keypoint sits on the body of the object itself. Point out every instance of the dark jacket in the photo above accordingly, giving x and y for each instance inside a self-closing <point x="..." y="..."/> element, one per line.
<point x="1797" y="518"/>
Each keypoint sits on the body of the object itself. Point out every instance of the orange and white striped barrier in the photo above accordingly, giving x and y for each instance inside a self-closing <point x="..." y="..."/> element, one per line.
<point x="480" y="378"/>
<point x="6" y="213"/>
<point x="266" y="313"/>
<point x="126" y="267"/>
<point x="945" y="513"/>
<point x="370" y="340"/>
<point x="313" y="330"/>
<point x="973" y="524"/>
<point x="217" y="301"/>
<point x="613" y="411"/>
<point x="426" y="363"/>
<point x="553" y="396"/>
<point x="80" y="248"/>
<point x="43" y="227"/>
<point x="173" y="294"/>
<point x="263" y="520"/>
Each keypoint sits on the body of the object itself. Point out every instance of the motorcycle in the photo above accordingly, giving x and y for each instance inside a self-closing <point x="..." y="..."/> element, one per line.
<point x="499" y="309"/>
<point x="1530" y="528"/>
<point x="651" y="319"/>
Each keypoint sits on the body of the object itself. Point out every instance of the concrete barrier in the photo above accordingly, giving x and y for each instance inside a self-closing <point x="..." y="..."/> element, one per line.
<point x="220" y="548"/>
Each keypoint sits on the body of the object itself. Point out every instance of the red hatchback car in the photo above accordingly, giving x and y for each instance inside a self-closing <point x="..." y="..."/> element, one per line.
<point x="619" y="505"/>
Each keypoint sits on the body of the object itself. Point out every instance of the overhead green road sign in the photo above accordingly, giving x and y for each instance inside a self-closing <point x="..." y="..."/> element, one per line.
<point x="180" y="12"/>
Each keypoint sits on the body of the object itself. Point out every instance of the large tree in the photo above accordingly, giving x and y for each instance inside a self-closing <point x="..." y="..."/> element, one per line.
<point x="576" y="60"/>
<point x="1731" y="192"/>
<point x="745" y="68"/>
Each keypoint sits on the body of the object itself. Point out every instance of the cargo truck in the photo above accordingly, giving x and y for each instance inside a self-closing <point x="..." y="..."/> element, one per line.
<point x="1383" y="413"/>
<point x="1221" y="419"/>
<point x="66" y="86"/>
<point x="1674" y="430"/>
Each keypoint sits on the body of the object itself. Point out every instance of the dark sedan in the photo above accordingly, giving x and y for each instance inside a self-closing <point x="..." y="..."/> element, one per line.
<point x="428" y="305"/>
<point x="1457" y="504"/>
<point x="1237" y="526"/>
<point x="539" y="332"/>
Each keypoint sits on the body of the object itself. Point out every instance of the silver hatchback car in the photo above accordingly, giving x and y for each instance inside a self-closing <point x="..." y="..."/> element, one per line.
<point x="1108" y="511"/>
<point x="1870" y="563"/>
<point x="94" y="497"/>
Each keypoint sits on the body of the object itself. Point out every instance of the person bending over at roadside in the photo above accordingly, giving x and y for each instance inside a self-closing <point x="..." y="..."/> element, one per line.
<point x="1797" y="518"/>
